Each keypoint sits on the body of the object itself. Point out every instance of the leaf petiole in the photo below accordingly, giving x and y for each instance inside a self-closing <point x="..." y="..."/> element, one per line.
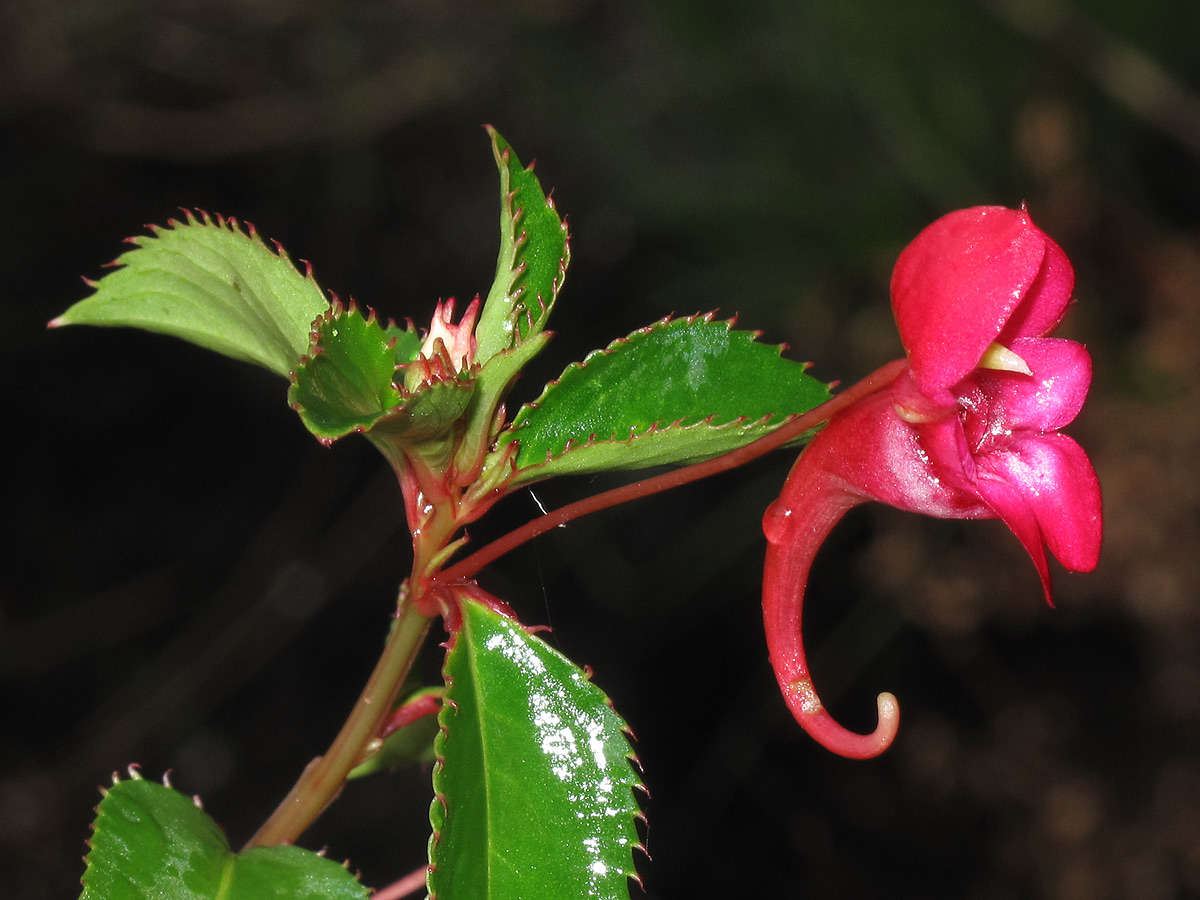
<point x="471" y="565"/>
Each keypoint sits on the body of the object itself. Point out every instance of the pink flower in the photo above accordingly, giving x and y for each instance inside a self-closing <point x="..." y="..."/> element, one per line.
<point x="447" y="350"/>
<point x="968" y="430"/>
<point x="458" y="340"/>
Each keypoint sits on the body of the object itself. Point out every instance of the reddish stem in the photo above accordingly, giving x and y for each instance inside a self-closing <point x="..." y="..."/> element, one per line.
<point x="409" y="884"/>
<point x="322" y="779"/>
<point x="469" y="566"/>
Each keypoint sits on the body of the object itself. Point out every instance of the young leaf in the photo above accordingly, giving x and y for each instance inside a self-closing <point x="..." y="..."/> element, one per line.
<point x="677" y="391"/>
<point x="533" y="785"/>
<point x="532" y="263"/>
<point x="151" y="841"/>
<point x="409" y="744"/>
<point x="345" y="383"/>
<point x="492" y="382"/>
<point x="209" y="282"/>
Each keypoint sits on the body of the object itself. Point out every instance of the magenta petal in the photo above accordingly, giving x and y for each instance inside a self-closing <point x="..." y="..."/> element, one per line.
<point x="949" y="455"/>
<point x="1056" y="480"/>
<point x="957" y="284"/>
<point x="1046" y="401"/>
<point x="1046" y="300"/>
<point x="1008" y="502"/>
<point x="878" y="456"/>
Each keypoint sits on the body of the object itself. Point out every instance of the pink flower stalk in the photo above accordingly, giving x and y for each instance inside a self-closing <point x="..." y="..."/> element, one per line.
<point x="968" y="430"/>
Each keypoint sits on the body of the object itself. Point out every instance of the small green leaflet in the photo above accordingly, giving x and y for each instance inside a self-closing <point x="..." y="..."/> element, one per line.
<point x="211" y="283"/>
<point x="345" y="383"/>
<point x="533" y="785"/>
<point x="677" y="391"/>
<point x="411" y="744"/>
<point x="149" y="841"/>
<point x="532" y="263"/>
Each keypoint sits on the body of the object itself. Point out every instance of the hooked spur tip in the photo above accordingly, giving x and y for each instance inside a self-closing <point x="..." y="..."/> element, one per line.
<point x="825" y="730"/>
<point x="888" y="708"/>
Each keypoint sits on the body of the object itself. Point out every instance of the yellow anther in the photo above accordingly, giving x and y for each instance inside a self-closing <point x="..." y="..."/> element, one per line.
<point x="1000" y="358"/>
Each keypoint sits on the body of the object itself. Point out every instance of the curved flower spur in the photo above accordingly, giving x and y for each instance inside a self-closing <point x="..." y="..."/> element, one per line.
<point x="969" y="429"/>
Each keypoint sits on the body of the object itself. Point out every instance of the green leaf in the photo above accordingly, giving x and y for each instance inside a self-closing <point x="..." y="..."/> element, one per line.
<point x="411" y="744"/>
<point x="346" y="382"/>
<point x="211" y="283"/>
<point x="149" y="841"/>
<point x="533" y="787"/>
<point x="677" y="391"/>
<point x="532" y="263"/>
<point x="492" y="382"/>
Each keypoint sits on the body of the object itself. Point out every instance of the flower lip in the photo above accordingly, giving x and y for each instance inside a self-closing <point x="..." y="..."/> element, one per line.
<point x="974" y="277"/>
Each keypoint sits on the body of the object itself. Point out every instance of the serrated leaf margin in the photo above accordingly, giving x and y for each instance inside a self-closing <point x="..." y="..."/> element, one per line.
<point x="506" y="294"/>
<point x="390" y="420"/>
<point x="523" y="474"/>
<point x="438" y="807"/>
<point x="199" y="218"/>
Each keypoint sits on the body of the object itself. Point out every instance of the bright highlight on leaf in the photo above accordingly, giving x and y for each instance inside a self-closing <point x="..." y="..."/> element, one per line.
<point x="211" y="283"/>
<point x="677" y="391"/>
<point x="533" y="786"/>
<point x="151" y="841"/>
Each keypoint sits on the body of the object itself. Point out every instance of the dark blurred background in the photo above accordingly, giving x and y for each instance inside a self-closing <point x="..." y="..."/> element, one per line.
<point x="192" y="582"/>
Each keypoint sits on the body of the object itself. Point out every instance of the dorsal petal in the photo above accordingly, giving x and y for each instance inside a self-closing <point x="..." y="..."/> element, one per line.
<point x="1046" y="300"/>
<point x="956" y="286"/>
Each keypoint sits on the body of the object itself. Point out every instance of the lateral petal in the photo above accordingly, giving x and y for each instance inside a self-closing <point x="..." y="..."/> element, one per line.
<point x="1048" y="399"/>
<point x="1058" y="485"/>
<point x="1009" y="504"/>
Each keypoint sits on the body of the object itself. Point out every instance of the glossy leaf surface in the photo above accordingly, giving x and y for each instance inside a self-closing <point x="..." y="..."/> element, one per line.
<point x="149" y="841"/>
<point x="532" y="262"/>
<point x="211" y="283"/>
<point x="345" y="383"/>
<point x="677" y="391"/>
<point x="533" y="788"/>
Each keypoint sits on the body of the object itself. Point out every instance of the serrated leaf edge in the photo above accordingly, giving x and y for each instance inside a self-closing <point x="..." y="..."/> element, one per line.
<point x="339" y="310"/>
<point x="196" y="217"/>
<point x="512" y="434"/>
<point x="134" y="772"/>
<point x="519" y="237"/>
<point x="631" y="757"/>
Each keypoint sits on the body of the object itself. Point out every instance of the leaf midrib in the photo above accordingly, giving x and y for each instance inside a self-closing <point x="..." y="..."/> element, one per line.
<point x="226" y="885"/>
<point x="476" y="682"/>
